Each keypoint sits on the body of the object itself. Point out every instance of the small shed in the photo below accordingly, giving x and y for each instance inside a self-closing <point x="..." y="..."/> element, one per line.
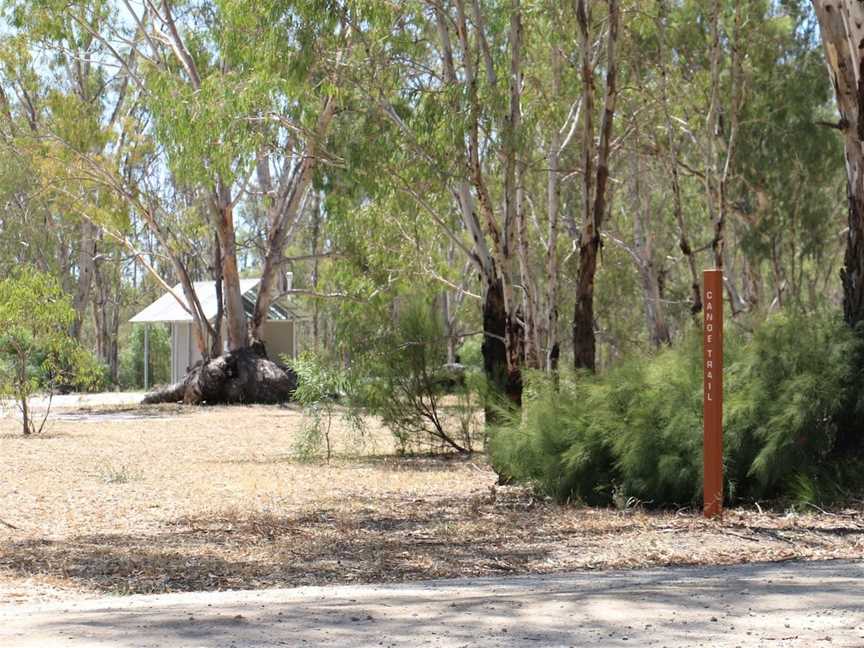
<point x="279" y="330"/>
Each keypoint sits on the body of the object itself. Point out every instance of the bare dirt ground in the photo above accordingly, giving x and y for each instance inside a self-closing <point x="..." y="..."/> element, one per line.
<point x="70" y="401"/>
<point x="172" y="499"/>
<point x="757" y="605"/>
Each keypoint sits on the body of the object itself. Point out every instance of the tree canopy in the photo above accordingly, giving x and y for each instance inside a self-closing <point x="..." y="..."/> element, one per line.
<point x="550" y="177"/>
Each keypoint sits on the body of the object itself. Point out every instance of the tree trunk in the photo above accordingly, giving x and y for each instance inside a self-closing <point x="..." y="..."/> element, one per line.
<point x="514" y="199"/>
<point x="655" y="316"/>
<point x="584" y="340"/>
<point x="113" y="345"/>
<point x="242" y="376"/>
<point x="199" y="325"/>
<point x="594" y="188"/>
<point x="553" y="202"/>
<point x="285" y="212"/>
<point x="658" y="328"/>
<point x="717" y="178"/>
<point x="25" y="416"/>
<point x="86" y="262"/>
<point x="22" y="394"/>
<point x="235" y="320"/>
<point x="100" y="313"/>
<point x="852" y="273"/>
<point x="106" y="311"/>
<point x="583" y="315"/>
<point x="672" y="145"/>
<point x="643" y="249"/>
<point x="506" y="378"/>
<point x="216" y="342"/>
<point x="841" y="23"/>
<point x="313" y="280"/>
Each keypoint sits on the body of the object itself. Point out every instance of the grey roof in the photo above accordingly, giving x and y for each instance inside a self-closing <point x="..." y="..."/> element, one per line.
<point x="167" y="308"/>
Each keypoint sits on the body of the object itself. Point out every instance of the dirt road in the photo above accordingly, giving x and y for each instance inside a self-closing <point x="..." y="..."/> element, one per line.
<point x="785" y="604"/>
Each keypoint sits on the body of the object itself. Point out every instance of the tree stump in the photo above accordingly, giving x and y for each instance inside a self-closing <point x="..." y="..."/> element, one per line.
<point x="243" y="376"/>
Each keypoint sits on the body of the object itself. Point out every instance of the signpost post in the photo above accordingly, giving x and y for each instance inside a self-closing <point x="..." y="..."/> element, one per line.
<point x="712" y="397"/>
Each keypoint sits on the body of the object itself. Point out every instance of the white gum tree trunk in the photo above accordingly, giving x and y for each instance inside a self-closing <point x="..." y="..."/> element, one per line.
<point x="841" y="23"/>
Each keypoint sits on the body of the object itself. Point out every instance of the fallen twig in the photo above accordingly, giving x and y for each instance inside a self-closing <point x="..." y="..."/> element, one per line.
<point x="741" y="535"/>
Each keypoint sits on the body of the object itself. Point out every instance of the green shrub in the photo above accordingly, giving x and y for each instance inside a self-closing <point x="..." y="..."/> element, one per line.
<point x="559" y="442"/>
<point x="791" y="421"/>
<point x="321" y="387"/>
<point x="36" y="350"/>
<point x="395" y="361"/>
<point x="407" y="383"/>
<point x="791" y="415"/>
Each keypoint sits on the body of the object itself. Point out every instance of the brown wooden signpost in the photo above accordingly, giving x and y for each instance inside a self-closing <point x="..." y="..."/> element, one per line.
<point x="712" y="397"/>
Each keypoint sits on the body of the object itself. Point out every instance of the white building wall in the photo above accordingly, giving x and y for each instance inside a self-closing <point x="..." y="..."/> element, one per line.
<point x="278" y="337"/>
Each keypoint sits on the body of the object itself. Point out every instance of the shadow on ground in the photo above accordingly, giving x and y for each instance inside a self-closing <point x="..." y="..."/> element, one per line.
<point x="403" y="537"/>
<point x="397" y="541"/>
<point x="791" y="605"/>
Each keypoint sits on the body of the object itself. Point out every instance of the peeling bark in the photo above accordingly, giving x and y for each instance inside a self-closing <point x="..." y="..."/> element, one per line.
<point x="841" y="24"/>
<point x="235" y="315"/>
<point x="497" y="326"/>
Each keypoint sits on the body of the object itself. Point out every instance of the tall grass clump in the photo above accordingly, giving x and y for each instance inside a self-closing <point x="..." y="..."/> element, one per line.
<point x="792" y="415"/>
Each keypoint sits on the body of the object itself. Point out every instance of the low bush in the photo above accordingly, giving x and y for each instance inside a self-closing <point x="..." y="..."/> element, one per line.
<point x="410" y="387"/>
<point x="397" y="372"/>
<point x="792" y="413"/>
<point x="321" y="388"/>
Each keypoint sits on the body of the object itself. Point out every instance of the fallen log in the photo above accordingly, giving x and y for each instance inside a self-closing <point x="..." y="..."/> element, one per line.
<point x="242" y="376"/>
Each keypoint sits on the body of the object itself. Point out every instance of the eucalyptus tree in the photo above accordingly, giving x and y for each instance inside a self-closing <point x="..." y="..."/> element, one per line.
<point x="56" y="97"/>
<point x="60" y="102"/>
<point x="786" y="223"/>
<point x="484" y="107"/>
<point x="595" y="173"/>
<point x="455" y="119"/>
<point x="841" y="24"/>
<point x="221" y="84"/>
<point x="220" y="92"/>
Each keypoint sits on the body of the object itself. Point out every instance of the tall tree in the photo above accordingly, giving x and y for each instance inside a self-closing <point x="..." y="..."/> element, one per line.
<point x="594" y="183"/>
<point x="842" y="27"/>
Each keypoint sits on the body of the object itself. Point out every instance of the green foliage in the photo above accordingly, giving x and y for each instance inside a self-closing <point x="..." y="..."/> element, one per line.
<point x="408" y="381"/>
<point x="36" y="350"/>
<point x="791" y="426"/>
<point x="132" y="357"/>
<point x="559" y="443"/>
<point x="320" y="388"/>
<point x="794" y="405"/>
<point x="397" y="352"/>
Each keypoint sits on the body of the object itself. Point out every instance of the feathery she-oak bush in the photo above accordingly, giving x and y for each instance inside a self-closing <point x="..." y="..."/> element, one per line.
<point x="792" y="421"/>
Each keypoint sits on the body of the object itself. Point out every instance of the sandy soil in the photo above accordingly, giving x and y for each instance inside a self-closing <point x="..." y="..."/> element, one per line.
<point x="168" y="499"/>
<point x="789" y="605"/>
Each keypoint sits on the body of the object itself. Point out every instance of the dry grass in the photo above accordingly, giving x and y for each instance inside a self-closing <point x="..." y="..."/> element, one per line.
<point x="169" y="499"/>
